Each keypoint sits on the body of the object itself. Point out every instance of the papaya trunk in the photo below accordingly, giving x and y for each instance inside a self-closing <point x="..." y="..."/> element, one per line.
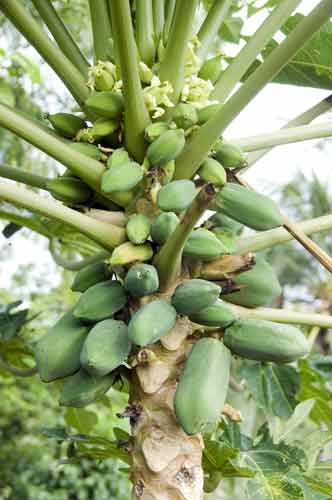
<point x="167" y="464"/>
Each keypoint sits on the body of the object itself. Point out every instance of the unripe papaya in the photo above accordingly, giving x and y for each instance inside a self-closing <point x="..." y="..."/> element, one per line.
<point x="163" y="227"/>
<point x="105" y="348"/>
<point x="105" y="104"/>
<point x="103" y="127"/>
<point x="57" y="353"/>
<point x="227" y="238"/>
<point x="118" y="157"/>
<point x="122" y="177"/>
<point x="66" y="124"/>
<point x="138" y="228"/>
<point x="204" y="114"/>
<point x="230" y="155"/>
<point x="251" y="209"/>
<point x="211" y="69"/>
<point x="151" y="322"/>
<point x="100" y="301"/>
<point x="194" y="295"/>
<point x="185" y="115"/>
<point x="201" y="392"/>
<point x="176" y="196"/>
<point x="223" y="222"/>
<point x="127" y="253"/>
<point x="218" y="315"/>
<point x="212" y="171"/>
<point x="87" y="149"/>
<point x="266" y="341"/>
<point x="141" y="279"/>
<point x="202" y="244"/>
<point x="90" y="275"/>
<point x="83" y="389"/>
<point x="259" y="286"/>
<point x="167" y="147"/>
<point x="155" y="130"/>
<point x="69" y="190"/>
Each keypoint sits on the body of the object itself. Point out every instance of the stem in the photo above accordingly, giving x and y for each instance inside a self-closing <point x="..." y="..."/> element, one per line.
<point x="169" y="15"/>
<point x="172" y="67"/>
<point x="107" y="235"/>
<point x="283" y="316"/>
<point x="136" y="114"/>
<point x="19" y="175"/>
<point x="210" y="27"/>
<point x="197" y="149"/>
<point x="168" y="261"/>
<point x="15" y="370"/>
<point x="268" y="239"/>
<point x="145" y="31"/>
<point x="61" y="35"/>
<point x="235" y="71"/>
<point x="101" y="29"/>
<point x="284" y="136"/>
<point x="75" y="265"/>
<point x="158" y="18"/>
<point x="30" y="29"/>
<point x="24" y="221"/>
<point x="304" y="118"/>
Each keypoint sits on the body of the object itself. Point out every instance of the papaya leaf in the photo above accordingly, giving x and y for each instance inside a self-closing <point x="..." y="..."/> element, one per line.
<point x="283" y="430"/>
<point x="11" y="323"/>
<point x="276" y="487"/>
<point x="80" y="419"/>
<point x="311" y="488"/>
<point x="321" y="364"/>
<point x="230" y="30"/>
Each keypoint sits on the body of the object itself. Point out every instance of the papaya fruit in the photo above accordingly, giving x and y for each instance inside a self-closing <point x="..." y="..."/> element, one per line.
<point x="202" y="244"/>
<point x="260" y="286"/>
<point x="154" y="130"/>
<point x="201" y="392"/>
<point x="166" y="147"/>
<point x="262" y="340"/>
<point x="118" y="157"/>
<point x="163" y="227"/>
<point x="251" y="209"/>
<point x="100" y="301"/>
<point x="57" y="353"/>
<point x="66" y="124"/>
<point x="141" y="279"/>
<point x="105" y="348"/>
<point x="218" y="315"/>
<point x="204" y="114"/>
<point x="90" y="275"/>
<point x="222" y="221"/>
<point x="138" y="228"/>
<point x="211" y="69"/>
<point x="105" y="104"/>
<point x="70" y="190"/>
<point x="87" y="149"/>
<point x="176" y="196"/>
<point x="229" y="155"/>
<point x="227" y="239"/>
<point x="212" y="171"/>
<point x="103" y="127"/>
<point x="122" y="177"/>
<point x="82" y="389"/>
<point x="192" y="296"/>
<point x="151" y="322"/>
<point x="185" y="115"/>
<point x="128" y="253"/>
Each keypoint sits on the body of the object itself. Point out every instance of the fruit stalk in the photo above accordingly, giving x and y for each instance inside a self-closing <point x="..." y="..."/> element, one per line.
<point x="101" y="29"/>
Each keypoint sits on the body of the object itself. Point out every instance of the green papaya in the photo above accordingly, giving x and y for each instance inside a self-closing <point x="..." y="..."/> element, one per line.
<point x="251" y="209"/>
<point x="105" y="348"/>
<point x="218" y="315"/>
<point x="69" y="190"/>
<point x="166" y="147"/>
<point x="154" y="130"/>
<point x="201" y="392"/>
<point x="127" y="253"/>
<point x="176" y="196"/>
<point x="211" y="69"/>
<point x="141" y="279"/>
<point x="57" y="353"/>
<point x="212" y="171"/>
<point x="138" y="228"/>
<point x="105" y="104"/>
<point x="83" y="389"/>
<point x="103" y="127"/>
<point x="66" y="124"/>
<point x="223" y="222"/>
<point x="151" y="322"/>
<point x="122" y="177"/>
<point x="185" y="115"/>
<point x="163" y="227"/>
<point x="87" y="149"/>
<point x="266" y="341"/>
<point x="118" y="157"/>
<point x="230" y="155"/>
<point x="204" y="114"/>
<point x="192" y="296"/>
<point x="100" y="301"/>
<point x="90" y="275"/>
<point x="202" y="244"/>
<point x="259" y="286"/>
<point x="227" y="239"/>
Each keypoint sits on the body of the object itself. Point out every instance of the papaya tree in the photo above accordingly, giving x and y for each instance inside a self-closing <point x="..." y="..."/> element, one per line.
<point x="170" y="293"/>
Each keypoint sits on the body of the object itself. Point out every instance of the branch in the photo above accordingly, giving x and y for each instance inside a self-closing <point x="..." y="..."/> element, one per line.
<point x="75" y="265"/>
<point x="107" y="235"/>
<point x="24" y="221"/>
<point x="101" y="29"/>
<point x="61" y="35"/>
<point x="244" y="59"/>
<point x="211" y="25"/>
<point x="198" y="148"/>
<point x="15" y="370"/>
<point x="30" y="29"/>
<point x="19" y="175"/>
